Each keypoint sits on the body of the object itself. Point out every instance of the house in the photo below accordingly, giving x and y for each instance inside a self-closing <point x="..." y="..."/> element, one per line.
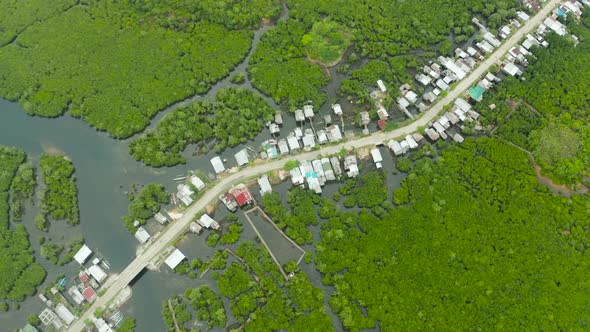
<point x="439" y="128"/>
<point x="423" y="79"/>
<point x="308" y="140"/>
<point x="208" y="222"/>
<point x="274" y="128"/>
<point x="272" y="152"/>
<point x="492" y="78"/>
<point x="327" y="119"/>
<point x="322" y="137"/>
<point x="197" y="182"/>
<point x="293" y="143"/>
<point x="350" y="166"/>
<point x="47" y="316"/>
<point x="217" y="165"/>
<point x="83" y="276"/>
<point x="432" y="134"/>
<point x="505" y="31"/>
<point x="395" y="147"/>
<point x="555" y="25"/>
<point x="308" y="111"/>
<point x="381" y="86"/>
<point x="462" y="104"/>
<point x="242" y="195"/>
<point x="97" y="273"/>
<point x="242" y="157"/>
<point x="411" y="142"/>
<point x="522" y="16"/>
<point x="64" y="314"/>
<point x="142" y="235"/>
<point x="298" y="132"/>
<point x="429" y="96"/>
<point x="76" y="295"/>
<point x="283" y="147"/>
<point x="334" y="134"/>
<point x="335" y="162"/>
<point x="460" y="53"/>
<point x="296" y="176"/>
<point x="511" y="69"/>
<point x="89" y="294"/>
<point x="229" y="201"/>
<point x="337" y="109"/>
<point x="452" y="66"/>
<point x="195" y="228"/>
<point x="471" y="51"/>
<point x="377" y="158"/>
<point x="476" y="92"/>
<point x="101" y="325"/>
<point x="382" y="113"/>
<point x="485" y="46"/>
<point x="264" y="184"/>
<point x="29" y="328"/>
<point x="311" y="177"/>
<point x="405" y="146"/>
<point x="82" y="255"/>
<point x="444" y="122"/>
<point x="161" y="218"/>
<point x="382" y="123"/>
<point x="174" y="259"/>
<point x="328" y="171"/>
<point x="490" y="38"/>
<point x="365" y="118"/>
<point x="411" y="96"/>
<point x="299" y="116"/>
<point x="442" y="85"/>
<point x="458" y="138"/>
<point x="319" y="169"/>
<point x="403" y="103"/>
<point x="418" y="137"/>
<point x="184" y="194"/>
<point x="454" y="119"/>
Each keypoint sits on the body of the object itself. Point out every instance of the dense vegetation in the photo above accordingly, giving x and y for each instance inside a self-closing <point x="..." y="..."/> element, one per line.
<point x="19" y="273"/>
<point x="175" y="313"/>
<point x="326" y="42"/>
<point x="145" y="205"/>
<point x="261" y="299"/>
<point x="22" y="187"/>
<point x="208" y="306"/>
<point x="108" y="63"/>
<point x="60" y="196"/>
<point x="238" y="115"/>
<point x="475" y="242"/>
<point x="53" y="252"/>
<point x="547" y="113"/>
<point x="127" y="325"/>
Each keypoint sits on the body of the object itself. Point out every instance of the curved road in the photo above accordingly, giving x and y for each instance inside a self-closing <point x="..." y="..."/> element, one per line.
<point x="116" y="284"/>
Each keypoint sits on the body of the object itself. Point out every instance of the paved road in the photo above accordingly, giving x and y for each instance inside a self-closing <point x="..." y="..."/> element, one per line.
<point x="177" y="228"/>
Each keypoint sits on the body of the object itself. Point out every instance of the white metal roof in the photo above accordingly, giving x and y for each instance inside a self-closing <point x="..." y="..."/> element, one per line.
<point x="97" y="273"/>
<point x="197" y="182"/>
<point x="264" y="184"/>
<point x="242" y="157"/>
<point x="174" y="259"/>
<point x="376" y="154"/>
<point x="142" y="235"/>
<point x="335" y="134"/>
<point x="337" y="109"/>
<point x="381" y="86"/>
<point x="208" y="222"/>
<point x="64" y="313"/>
<point x="82" y="255"/>
<point x="217" y="164"/>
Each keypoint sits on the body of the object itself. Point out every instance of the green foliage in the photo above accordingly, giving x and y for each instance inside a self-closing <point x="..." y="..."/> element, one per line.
<point x="404" y="164"/>
<point x="41" y="223"/>
<point x="233" y="235"/>
<point x="235" y="281"/>
<point x="368" y="190"/>
<point x="290" y="164"/>
<point x="60" y="196"/>
<point x="3" y="306"/>
<point x="238" y="78"/>
<point x="34" y="320"/>
<point x="238" y="115"/>
<point x="295" y="222"/>
<point x="557" y="148"/>
<point x="208" y="306"/>
<point x="278" y="67"/>
<point x="355" y="87"/>
<point x="146" y="204"/>
<point x="476" y="221"/>
<point x="22" y="187"/>
<point x="178" y="311"/>
<point x="127" y="325"/>
<point x="19" y="273"/>
<point x="327" y="41"/>
<point x="121" y="76"/>
<point x="213" y="239"/>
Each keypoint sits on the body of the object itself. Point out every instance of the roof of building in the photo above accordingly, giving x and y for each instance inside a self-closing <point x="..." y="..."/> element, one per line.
<point x="89" y="294"/>
<point x="381" y="86"/>
<point x="476" y="92"/>
<point x="217" y="164"/>
<point x="76" y="295"/>
<point x="293" y="143"/>
<point x="299" y="115"/>
<point x="142" y="235"/>
<point x="197" y="182"/>
<point x="101" y="325"/>
<point x="242" y="157"/>
<point x="264" y="184"/>
<point x="208" y="222"/>
<point x="97" y="273"/>
<point x="83" y="276"/>
<point x="308" y="111"/>
<point x="29" y="328"/>
<point x="174" y="259"/>
<point x="82" y="255"/>
<point x="462" y="104"/>
<point x="64" y="313"/>
<point x="242" y="195"/>
<point x="334" y="133"/>
<point x="337" y="109"/>
<point x="376" y="154"/>
<point x="381" y="123"/>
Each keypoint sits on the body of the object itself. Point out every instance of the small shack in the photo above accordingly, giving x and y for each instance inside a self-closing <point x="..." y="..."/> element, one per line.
<point x="142" y="235"/>
<point x="197" y="182"/>
<point x="264" y="184"/>
<point x="195" y="228"/>
<point x="242" y="157"/>
<point x="174" y="259"/>
<point x="308" y="111"/>
<point x="217" y="164"/>
<point x="337" y="109"/>
<point x="208" y="222"/>
<point x="377" y="158"/>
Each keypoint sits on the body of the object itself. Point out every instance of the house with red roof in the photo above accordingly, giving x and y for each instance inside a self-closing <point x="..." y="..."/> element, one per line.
<point x="242" y="196"/>
<point x="83" y="277"/>
<point x="89" y="294"/>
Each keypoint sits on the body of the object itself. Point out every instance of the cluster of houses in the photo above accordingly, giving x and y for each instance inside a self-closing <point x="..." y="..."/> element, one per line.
<point x="317" y="172"/>
<point x="58" y="315"/>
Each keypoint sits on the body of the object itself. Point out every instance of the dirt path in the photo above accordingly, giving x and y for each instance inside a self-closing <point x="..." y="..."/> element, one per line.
<point x="560" y="189"/>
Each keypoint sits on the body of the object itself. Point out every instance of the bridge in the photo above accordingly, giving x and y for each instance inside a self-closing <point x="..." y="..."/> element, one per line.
<point x="175" y="229"/>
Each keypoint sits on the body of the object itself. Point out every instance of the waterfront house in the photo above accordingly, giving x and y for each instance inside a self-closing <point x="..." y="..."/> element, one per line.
<point x="174" y="259"/>
<point x="82" y="255"/>
<point x="242" y="196"/>
<point x="458" y="138"/>
<point x="382" y="113"/>
<point x="293" y="143"/>
<point x="328" y="171"/>
<point x="47" y="317"/>
<point x="395" y="147"/>
<point x="283" y="147"/>
<point x="101" y="325"/>
<point x="242" y="157"/>
<point x="296" y="176"/>
<point x="217" y="164"/>
<point x="377" y="158"/>
<point x="350" y="165"/>
<point x="142" y="235"/>
<point x="279" y="118"/>
<point x="335" y="162"/>
<point x="229" y="201"/>
<point x="365" y="118"/>
<point x="264" y="184"/>
<point x="381" y="86"/>
<point x="97" y="273"/>
<point x="462" y="104"/>
<point x="89" y="294"/>
<point x="432" y="134"/>
<point x="308" y="140"/>
<point x="334" y="134"/>
<point x="274" y="128"/>
<point x="322" y="137"/>
<point x="64" y="314"/>
<point x="337" y="109"/>
<point x="299" y="116"/>
<point x="197" y="182"/>
<point x="308" y="111"/>
<point x="319" y="169"/>
<point x="195" y="228"/>
<point x="76" y="295"/>
<point x="411" y="142"/>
